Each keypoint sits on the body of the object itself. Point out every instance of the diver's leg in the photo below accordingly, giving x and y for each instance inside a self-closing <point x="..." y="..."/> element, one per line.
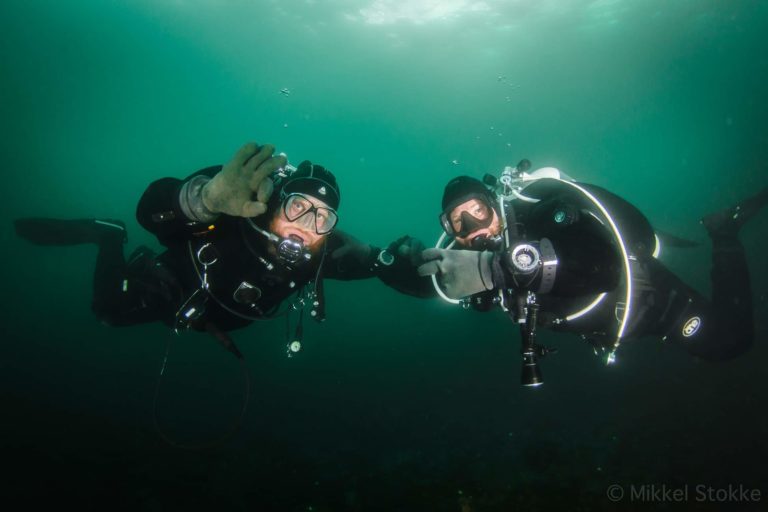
<point x="148" y="291"/>
<point x="732" y="294"/>
<point x="109" y="235"/>
<point x="138" y="291"/>
<point x="715" y="330"/>
<point x="704" y="328"/>
<point x="729" y="221"/>
<point x="731" y="288"/>
<point x="722" y="328"/>
<point x="109" y="279"/>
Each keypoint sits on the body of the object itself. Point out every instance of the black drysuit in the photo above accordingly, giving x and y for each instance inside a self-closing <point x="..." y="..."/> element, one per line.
<point x="590" y="264"/>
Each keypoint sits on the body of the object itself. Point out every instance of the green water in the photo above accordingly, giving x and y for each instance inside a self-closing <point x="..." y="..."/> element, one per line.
<point x="397" y="403"/>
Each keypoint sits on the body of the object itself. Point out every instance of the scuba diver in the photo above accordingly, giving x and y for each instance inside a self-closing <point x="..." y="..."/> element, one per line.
<point x="240" y="240"/>
<point x="250" y="240"/>
<point x="569" y="256"/>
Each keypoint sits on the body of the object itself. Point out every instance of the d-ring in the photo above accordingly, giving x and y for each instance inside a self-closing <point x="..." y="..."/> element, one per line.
<point x="200" y="256"/>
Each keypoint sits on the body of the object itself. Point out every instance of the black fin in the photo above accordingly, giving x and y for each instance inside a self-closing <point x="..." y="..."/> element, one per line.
<point x="46" y="231"/>
<point x="730" y="220"/>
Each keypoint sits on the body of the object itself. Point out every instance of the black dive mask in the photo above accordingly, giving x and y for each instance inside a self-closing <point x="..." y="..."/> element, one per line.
<point x="468" y="223"/>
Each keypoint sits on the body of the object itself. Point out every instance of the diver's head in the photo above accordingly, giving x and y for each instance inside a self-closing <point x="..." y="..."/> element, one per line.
<point x="303" y="208"/>
<point x="469" y="213"/>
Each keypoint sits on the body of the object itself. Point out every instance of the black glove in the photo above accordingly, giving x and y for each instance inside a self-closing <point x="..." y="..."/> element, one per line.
<point x="461" y="273"/>
<point x="407" y="251"/>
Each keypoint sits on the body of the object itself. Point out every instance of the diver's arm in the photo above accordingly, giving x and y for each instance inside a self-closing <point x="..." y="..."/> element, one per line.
<point x="401" y="273"/>
<point x="406" y="280"/>
<point x="350" y="259"/>
<point x="172" y="209"/>
<point x="534" y="266"/>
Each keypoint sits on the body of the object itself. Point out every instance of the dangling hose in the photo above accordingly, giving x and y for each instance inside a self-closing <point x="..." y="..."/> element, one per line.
<point x="439" y="290"/>
<point x="211" y="444"/>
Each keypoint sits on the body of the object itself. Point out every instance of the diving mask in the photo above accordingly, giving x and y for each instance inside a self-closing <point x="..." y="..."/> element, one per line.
<point x="474" y="217"/>
<point x="298" y="207"/>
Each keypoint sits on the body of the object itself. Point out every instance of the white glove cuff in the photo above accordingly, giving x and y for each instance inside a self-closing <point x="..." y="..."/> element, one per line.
<point x="191" y="200"/>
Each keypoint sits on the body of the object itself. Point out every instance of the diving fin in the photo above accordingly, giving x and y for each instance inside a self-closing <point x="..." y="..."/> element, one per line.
<point x="669" y="240"/>
<point x="730" y="220"/>
<point x="47" y="231"/>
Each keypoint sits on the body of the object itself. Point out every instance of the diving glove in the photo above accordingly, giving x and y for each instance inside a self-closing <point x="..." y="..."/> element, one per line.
<point x="232" y="190"/>
<point x="461" y="273"/>
<point x="407" y="249"/>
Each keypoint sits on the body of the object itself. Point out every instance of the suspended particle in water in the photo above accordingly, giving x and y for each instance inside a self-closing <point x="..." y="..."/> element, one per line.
<point x="285" y="91"/>
<point x="455" y="161"/>
<point x="285" y="125"/>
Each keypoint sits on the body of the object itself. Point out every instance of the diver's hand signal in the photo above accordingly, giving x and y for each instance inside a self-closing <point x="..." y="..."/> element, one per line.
<point x="232" y="190"/>
<point x="461" y="273"/>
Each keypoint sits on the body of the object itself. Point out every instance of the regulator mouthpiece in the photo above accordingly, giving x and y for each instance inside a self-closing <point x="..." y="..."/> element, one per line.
<point x="292" y="251"/>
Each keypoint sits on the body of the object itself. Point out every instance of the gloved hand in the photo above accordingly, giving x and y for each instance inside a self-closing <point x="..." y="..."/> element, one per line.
<point x="408" y="250"/>
<point x="461" y="273"/>
<point x="231" y="190"/>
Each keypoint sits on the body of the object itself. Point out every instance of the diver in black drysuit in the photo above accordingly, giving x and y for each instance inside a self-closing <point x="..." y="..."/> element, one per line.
<point x="589" y="263"/>
<point x="239" y="249"/>
<point x="246" y="278"/>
